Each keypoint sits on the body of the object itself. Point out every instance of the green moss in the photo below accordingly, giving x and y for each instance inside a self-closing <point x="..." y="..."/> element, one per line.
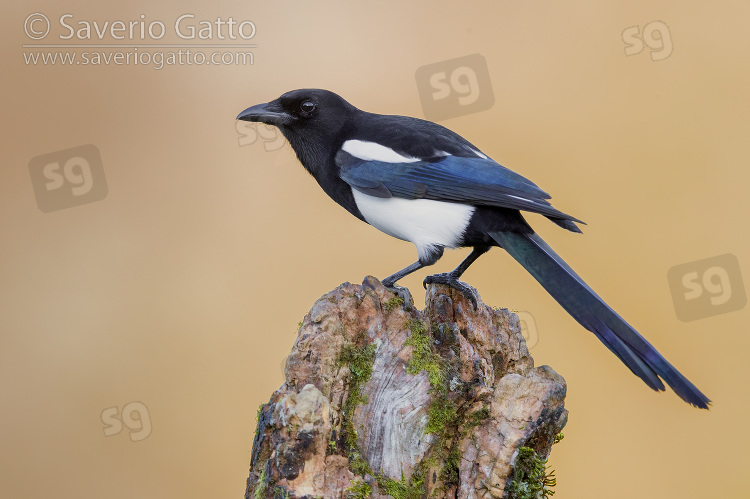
<point x="260" y="489"/>
<point x="528" y="475"/>
<point x="358" y="464"/>
<point x="424" y="358"/>
<point x="443" y="418"/>
<point x="478" y="417"/>
<point x="417" y="326"/>
<point x="449" y="473"/>
<point x="359" y="490"/>
<point x="441" y="415"/>
<point x="532" y="478"/>
<point x="281" y="492"/>
<point x="415" y="489"/>
<point x="257" y="414"/>
<point x="360" y="361"/>
<point x="393" y="302"/>
<point x="299" y="325"/>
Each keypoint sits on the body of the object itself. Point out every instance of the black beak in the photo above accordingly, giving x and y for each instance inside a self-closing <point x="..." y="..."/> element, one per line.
<point x="269" y="113"/>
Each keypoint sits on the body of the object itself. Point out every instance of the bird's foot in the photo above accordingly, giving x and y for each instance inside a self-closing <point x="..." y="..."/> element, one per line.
<point x="451" y="280"/>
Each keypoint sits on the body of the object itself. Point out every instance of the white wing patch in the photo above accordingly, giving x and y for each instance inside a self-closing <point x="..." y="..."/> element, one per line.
<point x="372" y="151"/>
<point x="424" y="222"/>
<point x="519" y="197"/>
<point x="479" y="154"/>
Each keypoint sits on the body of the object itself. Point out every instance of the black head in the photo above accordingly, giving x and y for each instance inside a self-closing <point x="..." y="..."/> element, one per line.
<point x="306" y="108"/>
<point x="312" y="120"/>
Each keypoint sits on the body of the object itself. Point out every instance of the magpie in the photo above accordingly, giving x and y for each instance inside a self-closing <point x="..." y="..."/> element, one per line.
<point x="420" y="182"/>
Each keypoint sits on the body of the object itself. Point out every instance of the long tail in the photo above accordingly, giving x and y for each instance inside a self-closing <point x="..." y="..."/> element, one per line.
<point x="580" y="301"/>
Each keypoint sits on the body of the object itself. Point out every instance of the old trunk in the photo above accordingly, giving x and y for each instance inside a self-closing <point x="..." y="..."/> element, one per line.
<point x="384" y="400"/>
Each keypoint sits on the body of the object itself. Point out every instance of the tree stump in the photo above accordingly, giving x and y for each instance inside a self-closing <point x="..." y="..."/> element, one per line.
<point x="383" y="400"/>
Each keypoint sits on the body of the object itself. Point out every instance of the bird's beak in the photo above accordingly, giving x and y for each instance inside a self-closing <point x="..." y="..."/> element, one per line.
<point x="269" y="113"/>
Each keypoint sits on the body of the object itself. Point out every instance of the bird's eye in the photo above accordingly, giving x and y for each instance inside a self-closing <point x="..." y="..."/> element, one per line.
<point x="307" y="107"/>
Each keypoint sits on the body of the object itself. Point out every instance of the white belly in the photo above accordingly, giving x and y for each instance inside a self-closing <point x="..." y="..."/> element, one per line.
<point x="424" y="222"/>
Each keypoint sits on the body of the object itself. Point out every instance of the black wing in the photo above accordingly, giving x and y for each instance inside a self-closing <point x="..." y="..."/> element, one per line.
<point x="460" y="179"/>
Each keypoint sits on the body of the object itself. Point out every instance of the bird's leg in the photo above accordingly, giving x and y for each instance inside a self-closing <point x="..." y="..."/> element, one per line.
<point x="451" y="278"/>
<point x="390" y="281"/>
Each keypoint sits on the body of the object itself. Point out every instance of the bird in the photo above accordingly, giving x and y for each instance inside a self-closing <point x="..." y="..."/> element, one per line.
<point x="420" y="182"/>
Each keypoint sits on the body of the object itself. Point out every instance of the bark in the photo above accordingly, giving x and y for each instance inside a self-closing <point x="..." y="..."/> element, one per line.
<point x="383" y="400"/>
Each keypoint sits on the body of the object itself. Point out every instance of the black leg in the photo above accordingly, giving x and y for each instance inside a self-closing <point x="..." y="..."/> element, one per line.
<point x="390" y="281"/>
<point x="475" y="253"/>
<point x="451" y="278"/>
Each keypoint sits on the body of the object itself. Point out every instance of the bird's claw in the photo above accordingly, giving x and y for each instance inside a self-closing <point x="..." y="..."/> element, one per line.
<point x="452" y="281"/>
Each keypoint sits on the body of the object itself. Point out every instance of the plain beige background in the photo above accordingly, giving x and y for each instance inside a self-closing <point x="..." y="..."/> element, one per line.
<point x="182" y="289"/>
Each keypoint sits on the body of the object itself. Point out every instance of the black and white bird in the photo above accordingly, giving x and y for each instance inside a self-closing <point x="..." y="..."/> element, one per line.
<point x="420" y="182"/>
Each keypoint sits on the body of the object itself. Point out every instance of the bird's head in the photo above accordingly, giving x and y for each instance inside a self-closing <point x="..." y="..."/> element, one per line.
<point x="310" y="119"/>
